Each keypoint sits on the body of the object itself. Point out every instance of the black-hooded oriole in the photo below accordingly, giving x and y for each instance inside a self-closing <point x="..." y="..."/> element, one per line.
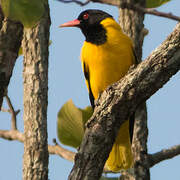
<point x="106" y="56"/>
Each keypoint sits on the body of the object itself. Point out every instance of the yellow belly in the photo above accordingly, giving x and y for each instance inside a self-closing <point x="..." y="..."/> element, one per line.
<point x="105" y="67"/>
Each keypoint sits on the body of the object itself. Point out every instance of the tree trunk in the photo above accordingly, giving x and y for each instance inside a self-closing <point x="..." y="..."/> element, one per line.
<point x="132" y="24"/>
<point x="35" y="50"/>
<point x="10" y="41"/>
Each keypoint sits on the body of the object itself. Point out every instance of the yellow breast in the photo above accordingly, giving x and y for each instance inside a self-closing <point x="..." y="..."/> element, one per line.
<point x="109" y="62"/>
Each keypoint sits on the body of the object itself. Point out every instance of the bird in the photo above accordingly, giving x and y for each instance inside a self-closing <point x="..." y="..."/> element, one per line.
<point x="106" y="56"/>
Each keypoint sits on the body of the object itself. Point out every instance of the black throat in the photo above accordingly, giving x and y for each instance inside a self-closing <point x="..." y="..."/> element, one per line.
<point x="95" y="34"/>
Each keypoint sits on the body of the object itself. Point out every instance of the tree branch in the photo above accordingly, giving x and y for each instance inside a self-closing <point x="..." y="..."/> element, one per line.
<point x="13" y="135"/>
<point x="13" y="113"/>
<point x="124" y="5"/>
<point x="134" y="89"/>
<point x="75" y="1"/>
<point x="165" y="154"/>
<point x="10" y="40"/>
<point x="62" y="152"/>
<point x="149" y="11"/>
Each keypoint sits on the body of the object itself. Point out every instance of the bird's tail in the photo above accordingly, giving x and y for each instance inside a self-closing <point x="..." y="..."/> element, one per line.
<point x="121" y="156"/>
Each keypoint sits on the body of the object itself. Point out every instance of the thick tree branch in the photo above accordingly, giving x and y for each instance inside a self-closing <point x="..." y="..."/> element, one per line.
<point x="134" y="89"/>
<point x="127" y="6"/>
<point x="165" y="154"/>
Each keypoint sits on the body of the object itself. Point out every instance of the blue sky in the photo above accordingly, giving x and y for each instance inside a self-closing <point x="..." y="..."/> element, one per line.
<point x="66" y="81"/>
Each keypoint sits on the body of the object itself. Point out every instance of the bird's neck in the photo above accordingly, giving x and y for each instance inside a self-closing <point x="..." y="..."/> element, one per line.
<point x="95" y="35"/>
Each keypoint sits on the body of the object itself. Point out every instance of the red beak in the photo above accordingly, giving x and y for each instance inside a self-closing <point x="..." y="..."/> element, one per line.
<point x="73" y="23"/>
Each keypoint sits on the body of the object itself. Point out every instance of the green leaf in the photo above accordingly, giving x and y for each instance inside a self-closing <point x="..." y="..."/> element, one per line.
<point x="28" y="12"/>
<point x="70" y="125"/>
<point x="71" y="122"/>
<point x="155" y="3"/>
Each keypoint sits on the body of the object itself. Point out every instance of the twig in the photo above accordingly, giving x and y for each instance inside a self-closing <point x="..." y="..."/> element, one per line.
<point x="124" y="5"/>
<point x="163" y="155"/>
<point x="75" y="1"/>
<point x="13" y="113"/>
<point x="110" y="2"/>
<point x="5" y="110"/>
<point x="62" y="152"/>
<point x="149" y="11"/>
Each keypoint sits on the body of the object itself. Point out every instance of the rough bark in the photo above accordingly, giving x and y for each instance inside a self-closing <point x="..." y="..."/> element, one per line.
<point x="10" y="40"/>
<point x="35" y="74"/>
<point x="132" y="24"/>
<point x="131" y="91"/>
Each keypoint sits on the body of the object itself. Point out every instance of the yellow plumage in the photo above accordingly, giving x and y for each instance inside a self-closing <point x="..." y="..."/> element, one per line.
<point x="106" y="64"/>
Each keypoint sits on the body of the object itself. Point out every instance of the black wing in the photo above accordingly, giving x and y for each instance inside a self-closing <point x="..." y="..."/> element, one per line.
<point x="87" y="76"/>
<point x="131" y="126"/>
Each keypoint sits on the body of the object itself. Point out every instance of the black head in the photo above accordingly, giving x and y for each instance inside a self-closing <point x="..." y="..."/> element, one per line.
<point x="92" y="17"/>
<point x="89" y="23"/>
<point x="91" y="27"/>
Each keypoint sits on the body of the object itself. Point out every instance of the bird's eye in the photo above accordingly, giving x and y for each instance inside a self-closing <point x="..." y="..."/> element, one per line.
<point x="85" y="16"/>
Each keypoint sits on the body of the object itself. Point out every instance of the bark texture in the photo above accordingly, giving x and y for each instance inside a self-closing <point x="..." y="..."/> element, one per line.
<point x="35" y="50"/>
<point x="131" y="91"/>
<point x="132" y="24"/>
<point x="10" y="41"/>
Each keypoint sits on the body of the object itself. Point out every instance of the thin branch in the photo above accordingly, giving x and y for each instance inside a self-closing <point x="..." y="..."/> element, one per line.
<point x="110" y="2"/>
<point x="13" y="135"/>
<point x="62" y="152"/>
<point x="75" y="1"/>
<point x="13" y="113"/>
<point x="149" y="11"/>
<point x="5" y="110"/>
<point x="124" y="5"/>
<point x="163" y="155"/>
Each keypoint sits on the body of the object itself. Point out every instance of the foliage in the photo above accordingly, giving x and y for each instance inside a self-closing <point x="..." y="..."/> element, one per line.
<point x="70" y="125"/>
<point x="28" y="12"/>
<point x="155" y="3"/>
